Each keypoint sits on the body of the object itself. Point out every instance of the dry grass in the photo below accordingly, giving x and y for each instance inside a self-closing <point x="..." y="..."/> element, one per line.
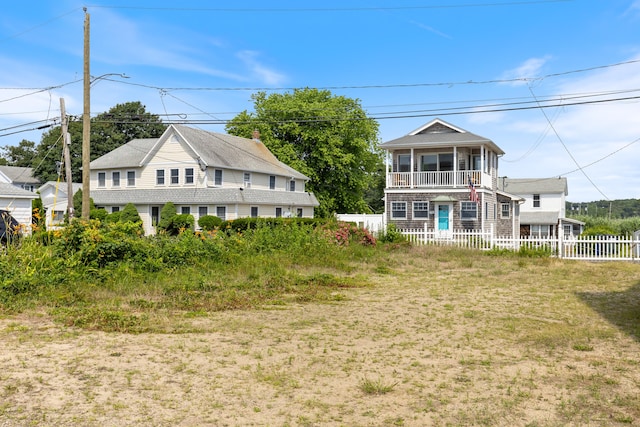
<point x="443" y="337"/>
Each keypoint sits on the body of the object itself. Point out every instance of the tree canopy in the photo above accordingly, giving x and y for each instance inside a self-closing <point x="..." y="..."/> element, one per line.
<point x="328" y="138"/>
<point x="109" y="130"/>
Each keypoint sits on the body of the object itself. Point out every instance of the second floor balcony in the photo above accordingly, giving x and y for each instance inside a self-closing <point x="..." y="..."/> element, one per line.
<point x="447" y="179"/>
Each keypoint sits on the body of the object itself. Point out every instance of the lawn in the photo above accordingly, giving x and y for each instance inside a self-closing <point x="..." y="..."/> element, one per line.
<point x="412" y="336"/>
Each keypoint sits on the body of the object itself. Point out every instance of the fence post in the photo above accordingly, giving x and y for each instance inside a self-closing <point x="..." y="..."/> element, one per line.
<point x="425" y="233"/>
<point x="560" y="244"/>
<point x="492" y="237"/>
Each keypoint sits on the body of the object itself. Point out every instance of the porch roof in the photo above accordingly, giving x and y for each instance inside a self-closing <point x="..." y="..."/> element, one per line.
<point x="539" y="218"/>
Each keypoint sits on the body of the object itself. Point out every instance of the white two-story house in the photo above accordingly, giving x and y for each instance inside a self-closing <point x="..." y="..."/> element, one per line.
<point x="445" y="178"/>
<point x="201" y="173"/>
<point x="543" y="212"/>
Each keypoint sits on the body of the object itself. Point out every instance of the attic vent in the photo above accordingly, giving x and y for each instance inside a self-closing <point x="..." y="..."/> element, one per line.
<point x="438" y="128"/>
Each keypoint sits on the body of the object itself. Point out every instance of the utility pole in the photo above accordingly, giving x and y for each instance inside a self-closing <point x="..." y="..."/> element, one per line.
<point x="86" y="125"/>
<point x="66" y="141"/>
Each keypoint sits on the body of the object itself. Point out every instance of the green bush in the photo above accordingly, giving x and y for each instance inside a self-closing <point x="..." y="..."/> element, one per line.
<point x="209" y="222"/>
<point x="167" y="212"/>
<point x="130" y="214"/>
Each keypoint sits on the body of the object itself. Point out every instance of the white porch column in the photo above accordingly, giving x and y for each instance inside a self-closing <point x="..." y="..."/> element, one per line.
<point x="455" y="166"/>
<point x="411" y="169"/>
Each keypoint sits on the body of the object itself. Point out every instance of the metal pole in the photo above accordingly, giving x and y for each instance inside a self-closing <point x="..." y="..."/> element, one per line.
<point x="86" y="125"/>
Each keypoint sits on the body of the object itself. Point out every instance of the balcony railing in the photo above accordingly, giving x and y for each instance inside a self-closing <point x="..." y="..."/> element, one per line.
<point x="450" y="179"/>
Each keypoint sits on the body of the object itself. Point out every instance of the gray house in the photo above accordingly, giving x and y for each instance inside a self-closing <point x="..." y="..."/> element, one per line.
<point x="202" y="173"/>
<point x="447" y="178"/>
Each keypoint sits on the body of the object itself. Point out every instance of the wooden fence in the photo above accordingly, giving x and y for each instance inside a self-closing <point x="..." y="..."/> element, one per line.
<point x="592" y="248"/>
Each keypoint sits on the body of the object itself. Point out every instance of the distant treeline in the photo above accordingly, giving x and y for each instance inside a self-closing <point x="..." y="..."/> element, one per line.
<point x="625" y="208"/>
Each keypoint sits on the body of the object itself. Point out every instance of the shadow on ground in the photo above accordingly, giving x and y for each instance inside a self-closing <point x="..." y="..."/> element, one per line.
<point x="622" y="309"/>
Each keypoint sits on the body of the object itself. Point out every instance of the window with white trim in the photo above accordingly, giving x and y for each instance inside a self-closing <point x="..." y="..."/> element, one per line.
<point x="203" y="211"/>
<point x="399" y="210"/>
<point x="159" y="176"/>
<point x="505" y="211"/>
<point x="254" y="212"/>
<point x="115" y="179"/>
<point x="188" y="176"/>
<point x="174" y="176"/>
<point x="185" y="210"/>
<point x="420" y="210"/>
<point x="272" y="182"/>
<point x="221" y="212"/>
<point x="468" y="210"/>
<point x="217" y="177"/>
<point x="536" y="200"/>
<point x="278" y="212"/>
<point x="102" y="179"/>
<point x="131" y="178"/>
<point x="292" y="185"/>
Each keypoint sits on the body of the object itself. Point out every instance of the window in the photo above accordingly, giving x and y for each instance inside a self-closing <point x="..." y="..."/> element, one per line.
<point x="203" y="211"/>
<point x="486" y="210"/>
<point x="429" y="163"/>
<point x="131" y="178"/>
<point x="175" y="176"/>
<point x="436" y="162"/>
<point x="115" y="209"/>
<point x="292" y="185"/>
<point x="217" y="177"/>
<point x="254" y="211"/>
<point x="538" y="230"/>
<point x="505" y="211"/>
<point x="404" y="163"/>
<point x="221" y="212"/>
<point x="58" y="217"/>
<point x="102" y="179"/>
<point x="272" y="182"/>
<point x="399" y="210"/>
<point x="536" y="200"/>
<point x="188" y="176"/>
<point x="299" y="212"/>
<point x="468" y="210"/>
<point x="278" y="212"/>
<point x="185" y="210"/>
<point x="420" y="210"/>
<point x="159" y="176"/>
<point x="115" y="179"/>
<point x="567" y="230"/>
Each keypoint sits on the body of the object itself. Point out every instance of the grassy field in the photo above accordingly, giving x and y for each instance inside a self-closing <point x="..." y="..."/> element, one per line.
<point x="404" y="336"/>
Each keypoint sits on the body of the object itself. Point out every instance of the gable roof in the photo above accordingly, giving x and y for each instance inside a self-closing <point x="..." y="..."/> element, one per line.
<point x="534" y="185"/>
<point x="438" y="133"/>
<point x="14" y="192"/>
<point x="209" y="148"/>
<point x="19" y="174"/>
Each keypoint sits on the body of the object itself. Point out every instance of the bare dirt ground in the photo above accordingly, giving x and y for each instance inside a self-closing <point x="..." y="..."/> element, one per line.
<point x="402" y="352"/>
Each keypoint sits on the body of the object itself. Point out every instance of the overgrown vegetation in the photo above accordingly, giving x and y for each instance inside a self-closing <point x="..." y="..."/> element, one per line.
<point x="107" y="275"/>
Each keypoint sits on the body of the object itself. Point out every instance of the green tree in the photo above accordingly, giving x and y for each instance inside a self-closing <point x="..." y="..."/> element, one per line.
<point x="19" y="155"/>
<point x="328" y="138"/>
<point x="167" y="213"/>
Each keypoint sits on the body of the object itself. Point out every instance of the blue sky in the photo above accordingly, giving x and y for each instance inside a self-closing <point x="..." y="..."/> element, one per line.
<point x="484" y="66"/>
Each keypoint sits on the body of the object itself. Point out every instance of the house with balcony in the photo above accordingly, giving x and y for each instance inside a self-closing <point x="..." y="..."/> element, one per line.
<point x="445" y="178"/>
<point x="201" y="173"/>
<point x="542" y="214"/>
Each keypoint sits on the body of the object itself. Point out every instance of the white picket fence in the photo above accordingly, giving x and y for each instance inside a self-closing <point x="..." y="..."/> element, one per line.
<point x="592" y="248"/>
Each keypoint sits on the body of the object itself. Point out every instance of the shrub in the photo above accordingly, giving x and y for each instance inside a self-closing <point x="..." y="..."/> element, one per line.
<point x="167" y="212"/>
<point x="130" y="214"/>
<point x="209" y="222"/>
<point x="391" y="235"/>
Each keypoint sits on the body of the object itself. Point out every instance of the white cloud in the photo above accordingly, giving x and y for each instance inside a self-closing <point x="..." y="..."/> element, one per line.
<point x="529" y="69"/>
<point x="430" y="29"/>
<point x="259" y="70"/>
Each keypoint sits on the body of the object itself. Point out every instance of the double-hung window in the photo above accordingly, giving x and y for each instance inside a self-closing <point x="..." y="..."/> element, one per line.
<point x="115" y="179"/>
<point x="399" y="210"/>
<point x="292" y="185"/>
<point x="131" y="178"/>
<point x="468" y="210"/>
<point x="217" y="177"/>
<point x="102" y="179"/>
<point x="159" y="176"/>
<point x="188" y="176"/>
<point x="505" y="211"/>
<point x="536" y="200"/>
<point x="175" y="176"/>
<point x="272" y="182"/>
<point x="420" y="210"/>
